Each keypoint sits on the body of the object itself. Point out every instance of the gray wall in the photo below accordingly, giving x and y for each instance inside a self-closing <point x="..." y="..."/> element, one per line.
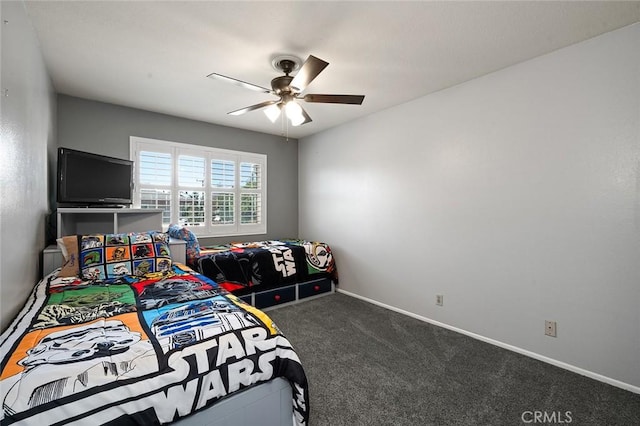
<point x="514" y="195"/>
<point x="105" y="129"/>
<point x="28" y="130"/>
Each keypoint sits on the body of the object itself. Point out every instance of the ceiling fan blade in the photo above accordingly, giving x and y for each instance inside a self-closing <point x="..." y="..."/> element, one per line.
<point x="307" y="119"/>
<point x="334" y="99"/>
<point x="253" y="107"/>
<point x="240" y="83"/>
<point x="309" y="70"/>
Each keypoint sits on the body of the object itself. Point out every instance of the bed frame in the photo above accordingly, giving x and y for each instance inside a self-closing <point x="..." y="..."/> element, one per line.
<point x="266" y="274"/>
<point x="287" y="295"/>
<point x="254" y="406"/>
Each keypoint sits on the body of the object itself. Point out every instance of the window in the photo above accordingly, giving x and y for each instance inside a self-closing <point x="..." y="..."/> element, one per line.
<point x="216" y="192"/>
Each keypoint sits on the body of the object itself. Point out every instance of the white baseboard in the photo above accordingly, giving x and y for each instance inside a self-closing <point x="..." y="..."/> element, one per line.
<point x="564" y="365"/>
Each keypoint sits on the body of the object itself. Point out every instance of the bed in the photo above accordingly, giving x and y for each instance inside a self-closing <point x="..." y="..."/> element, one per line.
<point x="145" y="342"/>
<point x="264" y="273"/>
<point x="270" y="273"/>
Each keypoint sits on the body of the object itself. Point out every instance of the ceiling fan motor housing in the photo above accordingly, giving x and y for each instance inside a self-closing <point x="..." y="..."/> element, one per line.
<point x="287" y="64"/>
<point x="280" y="84"/>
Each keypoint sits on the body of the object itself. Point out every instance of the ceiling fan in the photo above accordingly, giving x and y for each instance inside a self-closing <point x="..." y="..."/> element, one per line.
<point x="289" y="89"/>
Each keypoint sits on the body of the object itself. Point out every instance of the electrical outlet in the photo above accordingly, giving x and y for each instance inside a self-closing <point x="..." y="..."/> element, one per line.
<point x="439" y="299"/>
<point x="550" y="328"/>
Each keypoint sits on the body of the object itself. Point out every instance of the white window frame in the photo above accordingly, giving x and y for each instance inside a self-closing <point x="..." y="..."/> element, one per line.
<point x="175" y="149"/>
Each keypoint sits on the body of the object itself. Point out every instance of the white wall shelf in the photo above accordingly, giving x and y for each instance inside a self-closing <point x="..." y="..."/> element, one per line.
<point x="82" y="221"/>
<point x="78" y="220"/>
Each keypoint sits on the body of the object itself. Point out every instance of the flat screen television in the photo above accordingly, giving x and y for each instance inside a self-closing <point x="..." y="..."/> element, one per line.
<point x="86" y="179"/>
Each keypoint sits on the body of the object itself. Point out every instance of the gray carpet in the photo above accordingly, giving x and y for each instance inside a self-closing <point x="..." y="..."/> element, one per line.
<point x="370" y="366"/>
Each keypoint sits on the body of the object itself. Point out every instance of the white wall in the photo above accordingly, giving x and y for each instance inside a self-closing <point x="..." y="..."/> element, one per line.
<point x="27" y="120"/>
<point x="515" y="195"/>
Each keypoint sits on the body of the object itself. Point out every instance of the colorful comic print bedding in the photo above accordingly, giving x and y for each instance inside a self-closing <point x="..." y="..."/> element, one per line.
<point x="245" y="267"/>
<point x="137" y="350"/>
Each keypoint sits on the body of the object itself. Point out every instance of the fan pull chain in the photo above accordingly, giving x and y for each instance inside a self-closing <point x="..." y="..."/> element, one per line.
<point x="285" y="127"/>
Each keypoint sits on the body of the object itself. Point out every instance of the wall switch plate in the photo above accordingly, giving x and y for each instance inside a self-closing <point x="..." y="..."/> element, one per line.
<point x="550" y="328"/>
<point x="439" y="299"/>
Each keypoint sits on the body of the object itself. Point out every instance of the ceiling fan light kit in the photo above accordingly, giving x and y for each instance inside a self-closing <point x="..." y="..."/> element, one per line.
<point x="289" y="89"/>
<point x="273" y="112"/>
<point x="294" y="113"/>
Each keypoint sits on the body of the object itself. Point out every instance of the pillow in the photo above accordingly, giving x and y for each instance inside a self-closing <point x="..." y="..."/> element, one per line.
<point x="69" y="248"/>
<point x="105" y="256"/>
<point x="183" y="233"/>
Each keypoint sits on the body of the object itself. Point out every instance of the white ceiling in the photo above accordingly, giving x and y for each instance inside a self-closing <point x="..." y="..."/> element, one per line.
<point x="156" y="55"/>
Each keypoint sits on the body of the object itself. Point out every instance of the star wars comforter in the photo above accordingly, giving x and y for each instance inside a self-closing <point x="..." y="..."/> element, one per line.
<point x="137" y="350"/>
<point x="246" y="267"/>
